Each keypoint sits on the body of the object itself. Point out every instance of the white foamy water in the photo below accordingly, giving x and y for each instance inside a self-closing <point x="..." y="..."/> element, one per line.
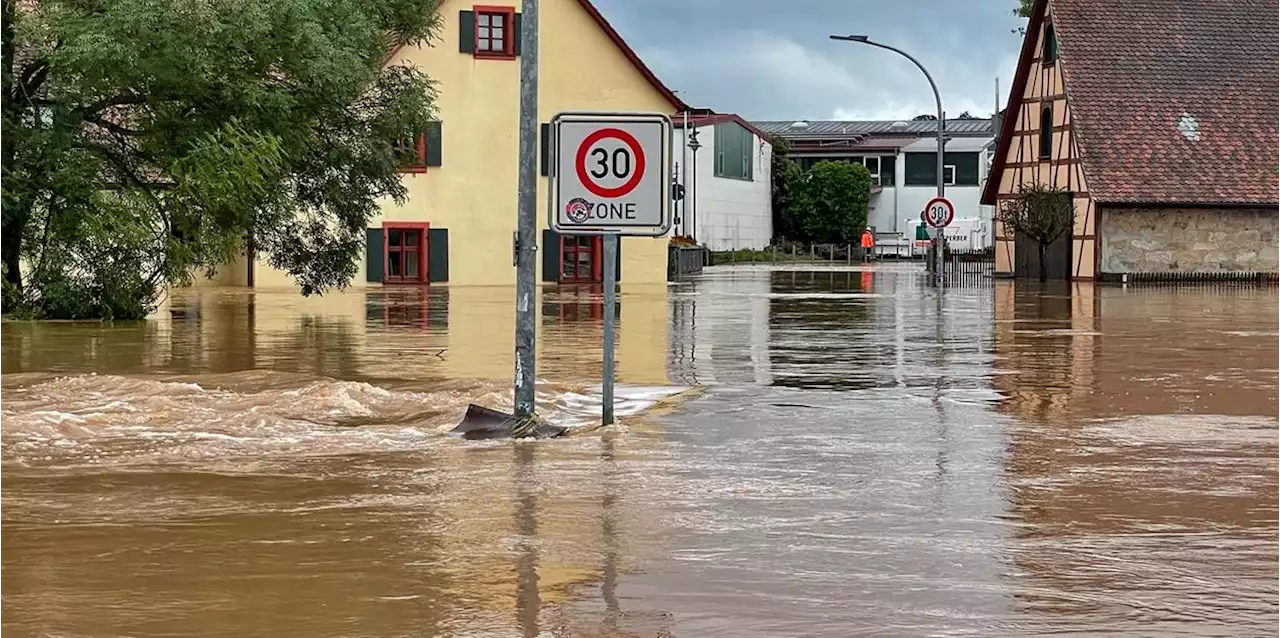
<point x="99" y="419"/>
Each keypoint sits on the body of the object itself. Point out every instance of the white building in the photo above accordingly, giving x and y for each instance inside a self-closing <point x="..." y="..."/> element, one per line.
<point x="728" y="201"/>
<point x="902" y="159"/>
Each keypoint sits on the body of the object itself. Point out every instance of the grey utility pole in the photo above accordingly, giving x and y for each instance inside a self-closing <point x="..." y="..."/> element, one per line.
<point x="937" y="237"/>
<point x="527" y="214"/>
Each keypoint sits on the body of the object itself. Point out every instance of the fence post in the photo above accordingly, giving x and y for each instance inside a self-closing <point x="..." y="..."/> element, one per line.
<point x="793" y="251"/>
<point x="848" y="255"/>
<point x="813" y="252"/>
<point x="775" y="253"/>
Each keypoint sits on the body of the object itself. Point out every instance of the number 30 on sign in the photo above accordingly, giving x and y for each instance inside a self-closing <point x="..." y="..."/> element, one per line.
<point x="610" y="173"/>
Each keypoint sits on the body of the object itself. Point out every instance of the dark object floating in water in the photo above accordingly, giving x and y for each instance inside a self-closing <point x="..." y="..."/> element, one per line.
<point x="482" y="423"/>
<point x="794" y="405"/>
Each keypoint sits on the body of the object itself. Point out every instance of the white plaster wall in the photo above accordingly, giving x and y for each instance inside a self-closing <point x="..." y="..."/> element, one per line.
<point x="901" y="204"/>
<point x="731" y="213"/>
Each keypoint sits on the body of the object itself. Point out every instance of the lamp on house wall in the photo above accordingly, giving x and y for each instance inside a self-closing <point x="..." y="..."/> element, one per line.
<point x="691" y="209"/>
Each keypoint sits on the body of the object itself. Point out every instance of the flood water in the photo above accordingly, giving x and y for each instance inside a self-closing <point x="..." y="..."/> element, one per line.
<point x="802" y="452"/>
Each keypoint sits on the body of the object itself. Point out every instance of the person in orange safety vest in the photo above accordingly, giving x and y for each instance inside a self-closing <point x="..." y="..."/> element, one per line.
<point x="868" y="245"/>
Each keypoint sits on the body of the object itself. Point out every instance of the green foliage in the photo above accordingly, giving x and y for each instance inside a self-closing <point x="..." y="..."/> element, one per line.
<point x="833" y="201"/>
<point x="148" y="140"/>
<point x="786" y="176"/>
<point x="1040" y="213"/>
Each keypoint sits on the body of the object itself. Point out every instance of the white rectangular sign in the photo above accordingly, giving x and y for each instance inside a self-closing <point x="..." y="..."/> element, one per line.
<point x="612" y="173"/>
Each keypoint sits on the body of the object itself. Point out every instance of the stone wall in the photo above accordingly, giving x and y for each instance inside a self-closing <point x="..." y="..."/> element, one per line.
<point x="1189" y="239"/>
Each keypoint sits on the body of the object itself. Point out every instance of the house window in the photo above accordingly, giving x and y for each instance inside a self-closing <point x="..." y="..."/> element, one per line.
<point x="959" y="169"/>
<point x="580" y="259"/>
<point x="1046" y="132"/>
<point x="1050" y="45"/>
<point x="495" y="36"/>
<point x="411" y="152"/>
<point x="872" y="163"/>
<point x="405" y="249"/>
<point x="735" y="151"/>
<point x="416" y="151"/>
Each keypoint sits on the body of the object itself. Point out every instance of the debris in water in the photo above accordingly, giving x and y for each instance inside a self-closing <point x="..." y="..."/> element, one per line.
<point x="483" y="423"/>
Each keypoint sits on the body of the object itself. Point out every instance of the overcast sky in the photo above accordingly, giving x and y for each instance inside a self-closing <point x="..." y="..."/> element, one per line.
<point x="771" y="59"/>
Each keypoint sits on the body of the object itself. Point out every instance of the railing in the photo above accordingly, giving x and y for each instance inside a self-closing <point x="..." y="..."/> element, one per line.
<point x="804" y="253"/>
<point x="683" y="261"/>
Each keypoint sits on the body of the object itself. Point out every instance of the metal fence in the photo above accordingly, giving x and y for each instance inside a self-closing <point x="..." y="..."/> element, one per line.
<point x="959" y="263"/>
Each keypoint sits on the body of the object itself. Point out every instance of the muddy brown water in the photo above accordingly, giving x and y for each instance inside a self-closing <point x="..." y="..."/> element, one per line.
<point x="861" y="457"/>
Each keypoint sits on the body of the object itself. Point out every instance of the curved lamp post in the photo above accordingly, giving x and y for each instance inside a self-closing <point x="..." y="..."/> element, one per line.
<point x="937" y="237"/>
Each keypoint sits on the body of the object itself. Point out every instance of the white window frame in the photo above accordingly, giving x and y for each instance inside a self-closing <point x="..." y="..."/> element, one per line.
<point x="875" y="175"/>
<point x="949" y="181"/>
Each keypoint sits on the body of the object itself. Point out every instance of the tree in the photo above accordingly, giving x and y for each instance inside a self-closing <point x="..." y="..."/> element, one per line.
<point x="1023" y="11"/>
<point x="925" y="117"/>
<point x="786" y="177"/>
<point x="833" y="202"/>
<point x="966" y="116"/>
<point x="146" y="141"/>
<point x="1039" y="213"/>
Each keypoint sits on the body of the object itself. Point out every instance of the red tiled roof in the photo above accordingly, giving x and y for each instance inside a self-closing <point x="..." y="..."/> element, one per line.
<point x="676" y="103"/>
<point x="1172" y="102"/>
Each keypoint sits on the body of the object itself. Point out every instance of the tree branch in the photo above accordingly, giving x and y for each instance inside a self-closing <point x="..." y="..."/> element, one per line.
<point x="32" y="77"/>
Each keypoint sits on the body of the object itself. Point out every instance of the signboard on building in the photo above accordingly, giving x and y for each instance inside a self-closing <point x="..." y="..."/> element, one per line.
<point x="611" y="174"/>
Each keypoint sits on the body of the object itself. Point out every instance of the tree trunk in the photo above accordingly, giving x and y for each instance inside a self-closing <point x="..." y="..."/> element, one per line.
<point x="1044" y="268"/>
<point x="11" y="249"/>
<point x="14" y="221"/>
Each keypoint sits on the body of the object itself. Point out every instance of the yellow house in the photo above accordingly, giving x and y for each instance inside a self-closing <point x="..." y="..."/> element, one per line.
<point x="457" y="222"/>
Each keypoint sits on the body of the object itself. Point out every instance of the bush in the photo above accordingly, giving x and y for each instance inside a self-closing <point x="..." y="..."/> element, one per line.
<point x="832" y="202"/>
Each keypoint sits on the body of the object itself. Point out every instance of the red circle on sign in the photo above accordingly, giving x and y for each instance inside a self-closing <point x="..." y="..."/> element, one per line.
<point x="580" y="162"/>
<point x="951" y="212"/>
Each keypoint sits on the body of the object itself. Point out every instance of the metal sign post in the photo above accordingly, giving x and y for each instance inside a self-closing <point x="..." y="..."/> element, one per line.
<point x="611" y="176"/>
<point x="527" y="216"/>
<point x="938" y="214"/>
<point x="610" y="303"/>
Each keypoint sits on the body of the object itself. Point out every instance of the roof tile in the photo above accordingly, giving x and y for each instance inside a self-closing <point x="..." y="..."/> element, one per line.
<point x="1173" y="101"/>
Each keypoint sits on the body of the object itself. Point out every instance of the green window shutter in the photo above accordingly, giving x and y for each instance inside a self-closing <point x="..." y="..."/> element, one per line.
<point x="434" y="150"/>
<point x="438" y="254"/>
<point x="749" y="157"/>
<point x="466" y="32"/>
<point x="544" y="149"/>
<point x="550" y="255"/>
<point x="374" y="261"/>
<point x="515" y="35"/>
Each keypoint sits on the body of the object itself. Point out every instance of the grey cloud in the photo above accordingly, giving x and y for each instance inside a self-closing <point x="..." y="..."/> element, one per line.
<point x="773" y="60"/>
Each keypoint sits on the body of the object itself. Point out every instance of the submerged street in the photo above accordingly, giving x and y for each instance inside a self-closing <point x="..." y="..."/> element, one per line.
<point x="802" y="451"/>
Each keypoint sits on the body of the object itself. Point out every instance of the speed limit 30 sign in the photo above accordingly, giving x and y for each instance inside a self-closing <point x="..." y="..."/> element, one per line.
<point x="939" y="212"/>
<point x="611" y="173"/>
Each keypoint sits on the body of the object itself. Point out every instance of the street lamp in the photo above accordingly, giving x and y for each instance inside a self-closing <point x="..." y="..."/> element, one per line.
<point x="937" y="237"/>
<point x="691" y="210"/>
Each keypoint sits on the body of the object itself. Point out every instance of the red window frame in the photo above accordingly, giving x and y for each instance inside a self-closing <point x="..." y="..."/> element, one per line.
<point x="416" y="149"/>
<point x="508" y="16"/>
<point x="575" y="245"/>
<point x="419" y="252"/>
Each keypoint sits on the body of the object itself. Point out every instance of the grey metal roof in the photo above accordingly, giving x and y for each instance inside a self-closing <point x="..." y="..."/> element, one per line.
<point x="839" y="128"/>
